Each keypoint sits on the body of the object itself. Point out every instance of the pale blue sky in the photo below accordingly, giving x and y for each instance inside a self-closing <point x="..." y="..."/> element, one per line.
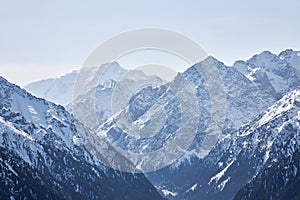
<point x="40" y="39"/>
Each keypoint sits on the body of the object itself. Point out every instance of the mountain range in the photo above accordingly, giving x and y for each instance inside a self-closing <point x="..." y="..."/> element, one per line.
<point x="43" y="156"/>
<point x="245" y="143"/>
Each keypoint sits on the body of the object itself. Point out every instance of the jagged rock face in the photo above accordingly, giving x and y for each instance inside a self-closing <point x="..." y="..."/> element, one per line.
<point x="92" y="103"/>
<point x="263" y="155"/>
<point x="88" y="93"/>
<point x="254" y="153"/>
<point x="279" y="177"/>
<point x="243" y="102"/>
<point x="275" y="75"/>
<point x="43" y="156"/>
<point x="293" y="58"/>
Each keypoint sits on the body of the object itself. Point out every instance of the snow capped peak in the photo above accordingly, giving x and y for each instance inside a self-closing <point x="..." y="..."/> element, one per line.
<point x="114" y="66"/>
<point x="240" y="62"/>
<point x="4" y="82"/>
<point x="110" y="71"/>
<point x="210" y="60"/>
<point x="111" y="83"/>
<point x="61" y="90"/>
<point x="42" y="145"/>
<point x="286" y="53"/>
<point x="210" y="63"/>
<point x="273" y="74"/>
<point x="90" y="77"/>
<point x="265" y="53"/>
<point x="292" y="58"/>
<point x="262" y="58"/>
<point x="249" y="141"/>
<point x="57" y="90"/>
<point x="43" y="114"/>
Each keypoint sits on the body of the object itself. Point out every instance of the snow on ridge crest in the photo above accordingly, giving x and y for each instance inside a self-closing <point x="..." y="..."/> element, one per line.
<point x="284" y="104"/>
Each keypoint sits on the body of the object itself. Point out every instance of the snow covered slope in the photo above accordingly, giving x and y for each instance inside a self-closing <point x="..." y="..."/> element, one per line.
<point x="276" y="75"/>
<point x="88" y="93"/>
<point x="61" y="90"/>
<point x="94" y="100"/>
<point x="293" y="58"/>
<point x="243" y="102"/>
<point x="43" y="156"/>
<point x="57" y="90"/>
<point x="263" y="155"/>
<point x="243" y="152"/>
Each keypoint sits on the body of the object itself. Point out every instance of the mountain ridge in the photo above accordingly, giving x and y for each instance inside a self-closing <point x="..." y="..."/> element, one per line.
<point x="43" y="156"/>
<point x="250" y="87"/>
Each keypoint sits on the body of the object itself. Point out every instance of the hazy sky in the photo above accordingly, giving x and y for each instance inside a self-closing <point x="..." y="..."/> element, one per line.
<point x="40" y="39"/>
